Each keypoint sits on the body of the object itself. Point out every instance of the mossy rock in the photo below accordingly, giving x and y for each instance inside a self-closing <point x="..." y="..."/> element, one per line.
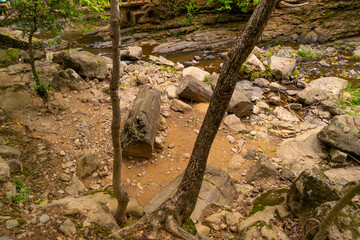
<point x="9" y="57"/>
<point x="270" y="198"/>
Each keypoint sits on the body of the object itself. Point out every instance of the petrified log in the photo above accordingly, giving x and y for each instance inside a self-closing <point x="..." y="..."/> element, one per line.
<point x="139" y="132"/>
<point x="239" y="104"/>
<point x="193" y="89"/>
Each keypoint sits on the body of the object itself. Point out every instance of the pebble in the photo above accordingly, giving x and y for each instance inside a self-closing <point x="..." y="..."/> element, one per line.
<point x="11" y="223"/>
<point x="95" y="187"/>
<point x="44" y="218"/>
<point x="171" y="146"/>
<point x="62" y="153"/>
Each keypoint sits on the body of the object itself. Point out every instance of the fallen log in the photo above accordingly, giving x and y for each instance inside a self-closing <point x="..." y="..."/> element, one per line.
<point x="138" y="136"/>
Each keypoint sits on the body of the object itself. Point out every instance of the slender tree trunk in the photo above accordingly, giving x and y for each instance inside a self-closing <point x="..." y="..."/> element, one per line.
<point x="31" y="55"/>
<point x="334" y="212"/>
<point x="120" y="194"/>
<point x="183" y="202"/>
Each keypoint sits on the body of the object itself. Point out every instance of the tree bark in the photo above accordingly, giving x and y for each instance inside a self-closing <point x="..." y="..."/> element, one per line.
<point x="182" y="203"/>
<point x="334" y="212"/>
<point x="139" y="132"/>
<point x="120" y="194"/>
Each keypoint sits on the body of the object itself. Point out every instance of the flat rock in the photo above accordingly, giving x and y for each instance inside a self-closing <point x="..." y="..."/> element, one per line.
<point x="217" y="187"/>
<point x="343" y="176"/>
<point x="282" y="67"/>
<point x="285" y="115"/>
<point x="68" y="227"/>
<point x="263" y="168"/>
<point x="196" y="72"/>
<point x="179" y="106"/>
<point x="12" y="101"/>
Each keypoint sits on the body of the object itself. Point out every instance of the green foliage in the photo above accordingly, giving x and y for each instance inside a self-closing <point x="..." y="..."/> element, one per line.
<point x="356" y="57"/>
<point x="226" y="5"/>
<point x="306" y="53"/>
<point x="22" y="192"/>
<point x="105" y="232"/>
<point x="207" y="80"/>
<point x="270" y="198"/>
<point x="352" y="101"/>
<point x="189" y="226"/>
<point x="41" y="87"/>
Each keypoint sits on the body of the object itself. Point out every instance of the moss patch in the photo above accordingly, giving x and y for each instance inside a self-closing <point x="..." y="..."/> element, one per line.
<point x="270" y="198"/>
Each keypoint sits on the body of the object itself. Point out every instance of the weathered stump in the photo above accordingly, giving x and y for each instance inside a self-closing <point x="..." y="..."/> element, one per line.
<point x="139" y="132"/>
<point x="193" y="89"/>
<point x="240" y="105"/>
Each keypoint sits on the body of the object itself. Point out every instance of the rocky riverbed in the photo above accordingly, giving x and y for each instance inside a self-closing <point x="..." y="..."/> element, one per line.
<point x="275" y="166"/>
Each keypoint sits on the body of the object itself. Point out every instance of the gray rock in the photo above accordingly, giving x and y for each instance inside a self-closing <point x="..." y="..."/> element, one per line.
<point x="346" y="225"/>
<point x="64" y="177"/>
<point x="135" y="53"/>
<point x="251" y="154"/>
<point x="322" y="89"/>
<point x="343" y="133"/>
<point x="214" y="220"/>
<point x="9" y="152"/>
<point x="161" y="60"/>
<point x="309" y="191"/>
<point x="216" y="187"/>
<point x="285" y="115"/>
<point x="68" y="80"/>
<point x="85" y="64"/>
<point x="44" y="218"/>
<point x="4" y="171"/>
<point x="68" y="227"/>
<point x="170" y="92"/>
<point x="282" y="67"/>
<point x="134" y="209"/>
<point x="234" y="123"/>
<point x="240" y="104"/>
<point x="202" y="230"/>
<point x="311" y="37"/>
<point x="12" y="101"/>
<point x="75" y="187"/>
<point x="235" y="162"/>
<point x="15" y="166"/>
<point x="261" y="82"/>
<point x="254" y="64"/>
<point x="196" y="72"/>
<point x="332" y="108"/>
<point x="179" y="106"/>
<point x="87" y="165"/>
<point x="192" y="88"/>
<point x="275" y="87"/>
<point x="274" y="99"/>
<point x="12" y="223"/>
<point x="263" y="168"/>
<point x="337" y="156"/>
<point x="4" y="237"/>
<point x="305" y="151"/>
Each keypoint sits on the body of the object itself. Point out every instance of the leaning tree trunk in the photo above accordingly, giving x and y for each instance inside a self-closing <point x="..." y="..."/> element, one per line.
<point x="177" y="209"/>
<point x="180" y="206"/>
<point x="120" y="194"/>
<point x="329" y="219"/>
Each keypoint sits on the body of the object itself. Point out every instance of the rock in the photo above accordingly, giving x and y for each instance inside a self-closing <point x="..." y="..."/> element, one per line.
<point x="161" y="60"/>
<point x="285" y="115"/>
<point x="180" y="106"/>
<point x="9" y="224"/>
<point x="275" y="87"/>
<point x="170" y="92"/>
<point x="202" y="230"/>
<point x="265" y="215"/>
<point x="330" y="50"/>
<point x="71" y="212"/>
<point x="295" y="106"/>
<point x="4" y="237"/>
<point x="322" y="89"/>
<point x="217" y="187"/>
<point x="240" y="104"/>
<point x="9" y="152"/>
<point x="12" y="101"/>
<point x="305" y="151"/>
<point x="263" y="168"/>
<point x="38" y="55"/>
<point x="282" y="67"/>
<point x="8" y="57"/>
<point x="196" y="73"/>
<point x="15" y="166"/>
<point x="254" y="64"/>
<point x="158" y="143"/>
<point x="134" y="209"/>
<point x="44" y="218"/>
<point x="273" y="197"/>
<point x="68" y="80"/>
<point x="214" y="220"/>
<point x="234" y="123"/>
<point x="68" y="227"/>
<point x="274" y="99"/>
<point x="311" y="37"/>
<point x="64" y="177"/>
<point x="332" y="107"/>
<point x="235" y="162"/>
<point x="251" y="92"/>
<point x="263" y="106"/>
<point x="309" y="191"/>
<point x="251" y="154"/>
<point x="343" y="133"/>
<point x="193" y="89"/>
<point x="85" y="64"/>
<point x="356" y="52"/>
<point x="261" y="82"/>
<point x="343" y="177"/>
<point x="346" y="225"/>
<point x="4" y="171"/>
<point x="87" y="165"/>
<point x="337" y="156"/>
<point x="75" y="187"/>
<point x="135" y="53"/>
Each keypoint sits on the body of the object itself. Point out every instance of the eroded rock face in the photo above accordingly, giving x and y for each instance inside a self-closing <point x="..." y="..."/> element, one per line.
<point x="322" y="89"/>
<point x="217" y="187"/>
<point x="310" y="191"/>
<point x="343" y="133"/>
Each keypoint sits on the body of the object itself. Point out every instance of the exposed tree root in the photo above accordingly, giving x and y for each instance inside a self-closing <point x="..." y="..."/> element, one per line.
<point x="173" y="227"/>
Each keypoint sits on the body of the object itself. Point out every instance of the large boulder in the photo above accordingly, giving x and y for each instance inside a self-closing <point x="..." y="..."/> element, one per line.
<point x="322" y="89"/>
<point x="195" y="89"/>
<point x="69" y="80"/>
<point x="343" y="133"/>
<point x="217" y="187"/>
<point x="135" y="53"/>
<point x="239" y="103"/>
<point x="196" y="72"/>
<point x="305" y="151"/>
<point x="344" y="177"/>
<point x="310" y="191"/>
<point x="282" y="67"/>
<point x="254" y="64"/>
<point x="84" y="63"/>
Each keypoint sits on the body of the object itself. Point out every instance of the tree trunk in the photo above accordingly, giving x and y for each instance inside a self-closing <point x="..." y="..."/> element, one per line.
<point x="334" y="212"/>
<point x="31" y="55"/>
<point x="120" y="194"/>
<point x="182" y="203"/>
<point x="140" y="128"/>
